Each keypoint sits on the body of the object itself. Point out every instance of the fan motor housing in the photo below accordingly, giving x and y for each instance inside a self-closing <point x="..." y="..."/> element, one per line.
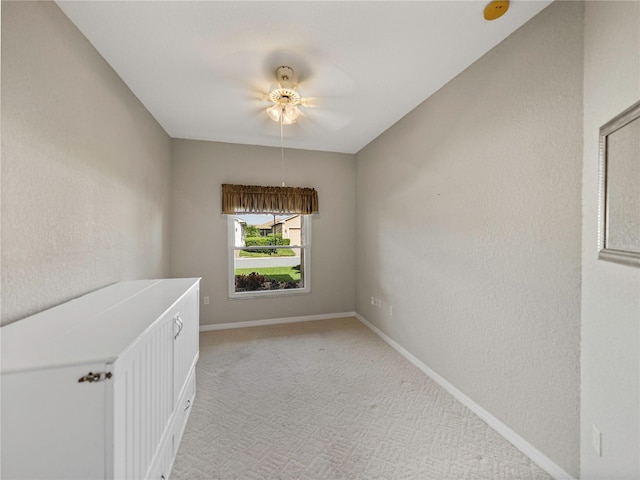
<point x="285" y="96"/>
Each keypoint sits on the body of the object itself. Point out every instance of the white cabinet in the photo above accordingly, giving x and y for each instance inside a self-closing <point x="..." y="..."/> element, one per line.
<point x="135" y="345"/>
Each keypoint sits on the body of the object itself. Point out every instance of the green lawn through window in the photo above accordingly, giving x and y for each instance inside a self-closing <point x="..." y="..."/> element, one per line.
<point x="283" y="274"/>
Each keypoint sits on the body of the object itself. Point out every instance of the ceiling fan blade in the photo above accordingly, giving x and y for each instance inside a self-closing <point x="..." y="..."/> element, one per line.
<point x="327" y="80"/>
<point x="328" y="119"/>
<point x="256" y="96"/>
<point x="310" y="102"/>
<point x="313" y="74"/>
<point x="242" y="70"/>
<point x="297" y="61"/>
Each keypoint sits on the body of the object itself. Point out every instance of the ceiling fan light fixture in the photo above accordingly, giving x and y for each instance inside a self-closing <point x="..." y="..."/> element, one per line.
<point x="288" y="114"/>
<point x="274" y="113"/>
<point x="285" y="98"/>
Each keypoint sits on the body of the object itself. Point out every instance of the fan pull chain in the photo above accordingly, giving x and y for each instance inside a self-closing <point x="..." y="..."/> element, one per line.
<point x="282" y="146"/>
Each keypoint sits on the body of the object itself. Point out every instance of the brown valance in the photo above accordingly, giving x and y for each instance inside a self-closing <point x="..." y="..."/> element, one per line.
<point x="257" y="199"/>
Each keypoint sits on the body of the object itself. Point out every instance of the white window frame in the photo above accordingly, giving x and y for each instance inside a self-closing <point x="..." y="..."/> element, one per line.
<point x="306" y="236"/>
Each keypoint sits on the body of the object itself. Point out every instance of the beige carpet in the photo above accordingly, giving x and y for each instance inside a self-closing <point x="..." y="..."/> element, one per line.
<point x="330" y="400"/>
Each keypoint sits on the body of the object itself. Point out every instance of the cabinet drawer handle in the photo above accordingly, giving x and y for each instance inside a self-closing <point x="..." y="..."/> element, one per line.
<point x="188" y="405"/>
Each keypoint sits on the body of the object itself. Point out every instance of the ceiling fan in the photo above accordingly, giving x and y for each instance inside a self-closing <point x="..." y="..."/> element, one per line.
<point x="286" y="100"/>
<point x="290" y="86"/>
<point x="286" y="103"/>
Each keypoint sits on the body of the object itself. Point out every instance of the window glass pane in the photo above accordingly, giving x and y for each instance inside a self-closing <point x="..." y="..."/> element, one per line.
<point x="272" y="257"/>
<point x="280" y="229"/>
<point x="282" y="270"/>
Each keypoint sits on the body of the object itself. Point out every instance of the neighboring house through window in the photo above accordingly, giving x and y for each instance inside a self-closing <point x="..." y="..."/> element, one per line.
<point x="239" y="227"/>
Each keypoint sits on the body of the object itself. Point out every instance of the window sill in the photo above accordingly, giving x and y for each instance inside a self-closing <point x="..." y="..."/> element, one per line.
<point x="269" y="294"/>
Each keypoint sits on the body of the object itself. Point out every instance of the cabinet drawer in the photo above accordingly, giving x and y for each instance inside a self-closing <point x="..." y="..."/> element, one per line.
<point x="185" y="405"/>
<point x="161" y="468"/>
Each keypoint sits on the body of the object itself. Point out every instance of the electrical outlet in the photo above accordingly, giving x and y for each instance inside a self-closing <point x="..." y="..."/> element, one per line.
<point x="206" y="300"/>
<point x="596" y="440"/>
<point x="378" y="303"/>
<point x="373" y="300"/>
<point x="391" y="310"/>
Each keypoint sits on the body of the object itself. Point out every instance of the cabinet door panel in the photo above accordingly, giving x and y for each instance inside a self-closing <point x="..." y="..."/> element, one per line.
<point x="143" y="401"/>
<point x="53" y="425"/>
<point x="186" y="340"/>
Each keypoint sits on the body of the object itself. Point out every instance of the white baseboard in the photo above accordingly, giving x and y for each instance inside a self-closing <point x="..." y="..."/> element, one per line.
<point x="274" y="321"/>
<point x="520" y="443"/>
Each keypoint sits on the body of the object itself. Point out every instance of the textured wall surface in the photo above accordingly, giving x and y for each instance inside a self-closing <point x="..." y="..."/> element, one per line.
<point x="610" y="359"/>
<point x="468" y="224"/>
<point x="85" y="168"/>
<point x="199" y="230"/>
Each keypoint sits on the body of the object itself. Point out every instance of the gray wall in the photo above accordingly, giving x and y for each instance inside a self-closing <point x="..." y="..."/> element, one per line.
<point x="610" y="292"/>
<point x="468" y="224"/>
<point x="199" y="230"/>
<point x="85" y="168"/>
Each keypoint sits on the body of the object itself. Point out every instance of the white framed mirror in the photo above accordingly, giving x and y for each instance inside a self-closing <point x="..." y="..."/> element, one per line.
<point x="619" y="177"/>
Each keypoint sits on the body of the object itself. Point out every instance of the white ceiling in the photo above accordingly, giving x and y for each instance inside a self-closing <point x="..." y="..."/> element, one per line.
<point x="199" y="67"/>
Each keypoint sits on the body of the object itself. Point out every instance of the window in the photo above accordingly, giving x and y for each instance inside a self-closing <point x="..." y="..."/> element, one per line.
<point x="269" y="236"/>
<point x="269" y="254"/>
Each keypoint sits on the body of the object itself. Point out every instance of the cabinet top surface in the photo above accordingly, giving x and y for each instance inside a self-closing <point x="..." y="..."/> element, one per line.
<point x="93" y="328"/>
